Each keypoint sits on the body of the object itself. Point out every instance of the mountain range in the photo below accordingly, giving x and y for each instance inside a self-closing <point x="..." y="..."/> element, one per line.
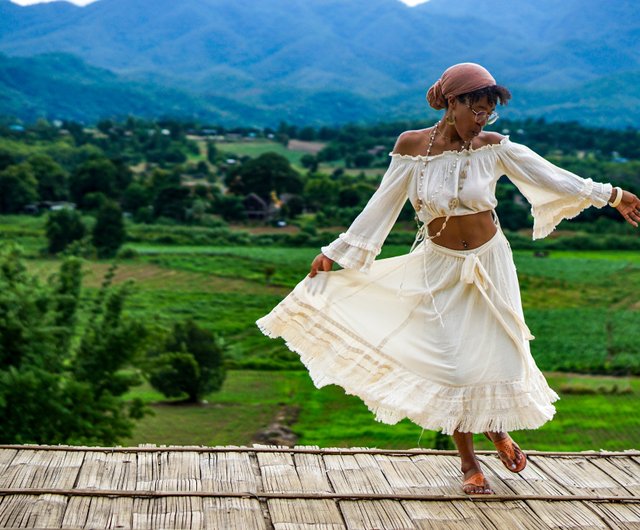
<point x="315" y="61"/>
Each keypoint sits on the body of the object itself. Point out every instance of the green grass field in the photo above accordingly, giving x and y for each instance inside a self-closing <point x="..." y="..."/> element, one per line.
<point x="260" y="147"/>
<point x="582" y="306"/>
<point x="249" y="400"/>
<point x="569" y="298"/>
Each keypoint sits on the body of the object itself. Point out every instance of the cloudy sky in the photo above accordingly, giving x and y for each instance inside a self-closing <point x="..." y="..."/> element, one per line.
<point x="85" y="2"/>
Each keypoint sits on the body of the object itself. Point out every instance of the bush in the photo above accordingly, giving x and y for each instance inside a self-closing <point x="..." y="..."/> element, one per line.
<point x="109" y="233"/>
<point x="63" y="228"/>
<point x="230" y="208"/>
<point x="128" y="253"/>
<point x="583" y="389"/>
<point x="190" y="363"/>
<point x="173" y="373"/>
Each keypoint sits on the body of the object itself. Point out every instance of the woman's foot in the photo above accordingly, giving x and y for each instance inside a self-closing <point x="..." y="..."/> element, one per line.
<point x="509" y="452"/>
<point x="475" y="483"/>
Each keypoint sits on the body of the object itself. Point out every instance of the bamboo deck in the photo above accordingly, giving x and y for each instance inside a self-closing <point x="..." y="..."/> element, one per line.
<point x="307" y="488"/>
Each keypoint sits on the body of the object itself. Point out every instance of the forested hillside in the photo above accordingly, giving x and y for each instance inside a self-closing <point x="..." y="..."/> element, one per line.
<point x="328" y="61"/>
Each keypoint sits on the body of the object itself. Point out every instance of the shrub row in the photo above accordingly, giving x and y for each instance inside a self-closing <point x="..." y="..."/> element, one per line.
<point x="309" y="237"/>
<point x="575" y="242"/>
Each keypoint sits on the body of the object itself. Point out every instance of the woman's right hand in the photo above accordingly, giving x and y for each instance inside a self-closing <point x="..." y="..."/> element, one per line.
<point x="320" y="263"/>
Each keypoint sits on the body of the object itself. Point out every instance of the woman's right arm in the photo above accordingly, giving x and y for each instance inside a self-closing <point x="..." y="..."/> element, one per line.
<point x="361" y="243"/>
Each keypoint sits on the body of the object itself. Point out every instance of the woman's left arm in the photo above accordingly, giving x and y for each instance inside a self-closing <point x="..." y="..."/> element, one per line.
<point x="627" y="204"/>
<point x="555" y="193"/>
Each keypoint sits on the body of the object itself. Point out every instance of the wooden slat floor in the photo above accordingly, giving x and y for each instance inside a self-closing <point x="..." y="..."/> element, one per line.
<point x="307" y="488"/>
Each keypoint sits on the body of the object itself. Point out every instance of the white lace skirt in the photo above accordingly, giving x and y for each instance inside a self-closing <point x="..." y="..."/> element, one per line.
<point x="436" y="336"/>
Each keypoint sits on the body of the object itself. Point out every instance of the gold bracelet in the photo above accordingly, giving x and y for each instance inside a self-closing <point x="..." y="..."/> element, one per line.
<point x="618" y="199"/>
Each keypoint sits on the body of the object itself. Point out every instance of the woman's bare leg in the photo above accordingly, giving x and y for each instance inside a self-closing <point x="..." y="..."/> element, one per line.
<point x="470" y="464"/>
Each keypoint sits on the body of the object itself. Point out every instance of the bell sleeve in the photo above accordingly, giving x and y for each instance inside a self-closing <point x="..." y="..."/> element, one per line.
<point x="361" y="243"/>
<point x="554" y="193"/>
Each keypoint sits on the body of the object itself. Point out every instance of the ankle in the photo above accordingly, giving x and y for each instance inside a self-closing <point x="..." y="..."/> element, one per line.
<point x="470" y="465"/>
<point x="496" y="436"/>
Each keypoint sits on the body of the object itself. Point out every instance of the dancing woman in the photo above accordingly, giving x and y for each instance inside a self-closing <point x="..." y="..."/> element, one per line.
<point x="438" y="335"/>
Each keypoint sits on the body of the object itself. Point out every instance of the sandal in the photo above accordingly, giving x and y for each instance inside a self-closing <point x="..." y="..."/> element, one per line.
<point x="479" y="481"/>
<point x="508" y="447"/>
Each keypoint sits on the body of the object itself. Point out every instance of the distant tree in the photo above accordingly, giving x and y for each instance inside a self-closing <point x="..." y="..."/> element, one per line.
<point x="348" y="197"/>
<point x="109" y="342"/>
<point x="200" y="170"/>
<point x="136" y="196"/>
<point x="109" y="231"/>
<point x="190" y="363"/>
<point x="95" y="175"/>
<point x="202" y="192"/>
<point x="43" y="130"/>
<point x="326" y="133"/>
<point x="124" y="175"/>
<point x="144" y="215"/>
<point x="93" y="201"/>
<point x="176" y="128"/>
<point x="61" y="380"/>
<point x="162" y="178"/>
<point x="7" y="158"/>
<point x="230" y="208"/>
<point x="198" y="210"/>
<point x="173" y="201"/>
<point x="18" y="187"/>
<point x="76" y="130"/>
<point x="329" y="154"/>
<point x="362" y="159"/>
<point x="310" y="162"/>
<point x="105" y="126"/>
<point x="356" y="192"/>
<point x="171" y="154"/>
<point x="264" y="174"/>
<point x="51" y="177"/>
<point x="288" y="130"/>
<point x="512" y="209"/>
<point x="293" y="207"/>
<point x="212" y="152"/>
<point x="321" y="191"/>
<point x="307" y="134"/>
<point x="64" y="227"/>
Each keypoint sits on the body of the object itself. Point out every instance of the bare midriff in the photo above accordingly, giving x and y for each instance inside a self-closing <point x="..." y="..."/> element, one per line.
<point x="464" y="232"/>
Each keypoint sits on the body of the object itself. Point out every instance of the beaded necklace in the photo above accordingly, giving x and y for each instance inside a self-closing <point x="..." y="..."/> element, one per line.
<point x="421" y="235"/>
<point x="455" y="201"/>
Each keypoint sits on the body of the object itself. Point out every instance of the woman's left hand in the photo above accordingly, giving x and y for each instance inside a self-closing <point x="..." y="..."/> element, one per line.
<point x="629" y="208"/>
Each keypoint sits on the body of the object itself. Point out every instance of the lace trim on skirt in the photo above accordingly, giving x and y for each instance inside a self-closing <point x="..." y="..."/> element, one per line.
<point x="334" y="355"/>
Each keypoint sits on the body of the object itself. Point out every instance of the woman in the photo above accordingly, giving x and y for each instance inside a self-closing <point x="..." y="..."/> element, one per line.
<point x="438" y="335"/>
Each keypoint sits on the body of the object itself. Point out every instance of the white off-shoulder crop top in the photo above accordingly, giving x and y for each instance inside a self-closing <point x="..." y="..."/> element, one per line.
<point x="554" y="194"/>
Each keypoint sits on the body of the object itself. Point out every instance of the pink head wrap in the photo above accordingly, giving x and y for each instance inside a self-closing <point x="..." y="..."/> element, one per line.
<point x="458" y="79"/>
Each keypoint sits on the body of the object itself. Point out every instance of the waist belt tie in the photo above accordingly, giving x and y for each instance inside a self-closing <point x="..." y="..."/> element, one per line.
<point x="422" y="237"/>
<point x="474" y="273"/>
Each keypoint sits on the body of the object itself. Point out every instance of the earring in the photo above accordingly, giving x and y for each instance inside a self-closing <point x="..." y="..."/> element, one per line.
<point x="449" y="119"/>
